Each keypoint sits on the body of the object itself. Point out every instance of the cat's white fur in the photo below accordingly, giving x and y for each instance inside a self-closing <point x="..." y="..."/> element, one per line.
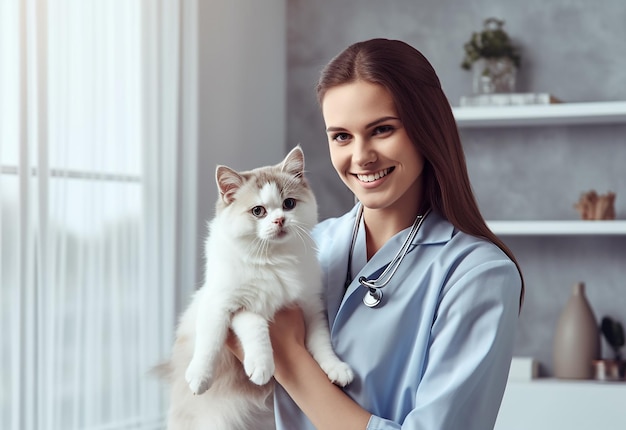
<point x="255" y="265"/>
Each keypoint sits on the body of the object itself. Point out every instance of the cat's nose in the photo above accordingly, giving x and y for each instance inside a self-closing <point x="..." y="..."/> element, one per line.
<point x="280" y="221"/>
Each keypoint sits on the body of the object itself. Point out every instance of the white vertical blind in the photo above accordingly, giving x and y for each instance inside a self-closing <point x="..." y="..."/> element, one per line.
<point x="91" y="103"/>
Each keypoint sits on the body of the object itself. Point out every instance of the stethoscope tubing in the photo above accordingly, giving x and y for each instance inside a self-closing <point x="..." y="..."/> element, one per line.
<point x="374" y="295"/>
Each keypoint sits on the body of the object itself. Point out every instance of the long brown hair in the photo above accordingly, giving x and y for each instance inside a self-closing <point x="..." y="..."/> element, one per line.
<point x="427" y="117"/>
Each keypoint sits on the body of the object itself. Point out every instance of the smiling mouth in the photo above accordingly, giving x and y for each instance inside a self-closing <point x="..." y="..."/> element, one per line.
<point x="371" y="177"/>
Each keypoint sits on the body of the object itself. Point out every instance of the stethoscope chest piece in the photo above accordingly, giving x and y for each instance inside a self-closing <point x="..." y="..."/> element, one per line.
<point x="373" y="297"/>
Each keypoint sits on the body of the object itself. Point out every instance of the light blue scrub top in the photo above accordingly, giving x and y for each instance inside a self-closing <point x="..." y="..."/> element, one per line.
<point x="435" y="354"/>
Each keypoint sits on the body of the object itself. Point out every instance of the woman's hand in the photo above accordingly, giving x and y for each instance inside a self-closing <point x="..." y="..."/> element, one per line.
<point x="301" y="376"/>
<point x="232" y="343"/>
<point x="287" y="334"/>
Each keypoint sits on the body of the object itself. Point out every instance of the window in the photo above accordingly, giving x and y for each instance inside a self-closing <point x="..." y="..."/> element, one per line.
<point x="88" y="211"/>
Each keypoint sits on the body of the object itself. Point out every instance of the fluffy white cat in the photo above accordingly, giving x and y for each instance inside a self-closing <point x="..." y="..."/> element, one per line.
<point x="259" y="258"/>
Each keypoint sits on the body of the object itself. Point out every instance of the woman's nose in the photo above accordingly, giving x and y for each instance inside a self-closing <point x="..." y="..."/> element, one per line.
<point x="363" y="153"/>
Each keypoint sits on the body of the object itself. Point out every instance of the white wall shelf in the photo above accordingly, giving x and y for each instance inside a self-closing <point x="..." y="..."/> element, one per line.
<point x="558" y="228"/>
<point x="613" y="112"/>
<point x="552" y="404"/>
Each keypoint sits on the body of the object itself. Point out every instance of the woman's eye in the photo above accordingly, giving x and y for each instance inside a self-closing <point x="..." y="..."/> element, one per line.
<point x="382" y="129"/>
<point x="341" y="137"/>
<point x="289" y="203"/>
<point x="258" y="211"/>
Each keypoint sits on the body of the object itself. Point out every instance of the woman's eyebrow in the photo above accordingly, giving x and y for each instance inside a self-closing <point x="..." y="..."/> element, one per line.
<point x="378" y="121"/>
<point x="331" y="129"/>
<point x="370" y="125"/>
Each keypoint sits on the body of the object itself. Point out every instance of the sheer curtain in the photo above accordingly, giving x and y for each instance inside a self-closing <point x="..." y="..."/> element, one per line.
<point x="97" y="117"/>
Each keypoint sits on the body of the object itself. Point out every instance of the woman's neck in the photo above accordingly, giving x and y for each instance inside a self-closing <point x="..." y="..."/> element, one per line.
<point x="382" y="225"/>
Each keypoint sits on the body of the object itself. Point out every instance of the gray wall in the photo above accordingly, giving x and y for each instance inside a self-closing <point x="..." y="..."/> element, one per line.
<point x="573" y="49"/>
<point x="242" y="95"/>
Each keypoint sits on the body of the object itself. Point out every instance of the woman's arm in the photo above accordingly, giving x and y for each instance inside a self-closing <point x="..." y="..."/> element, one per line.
<point x="325" y="404"/>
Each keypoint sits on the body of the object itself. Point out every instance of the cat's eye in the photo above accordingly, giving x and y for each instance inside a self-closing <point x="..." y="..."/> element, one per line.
<point x="258" y="211"/>
<point x="289" y="203"/>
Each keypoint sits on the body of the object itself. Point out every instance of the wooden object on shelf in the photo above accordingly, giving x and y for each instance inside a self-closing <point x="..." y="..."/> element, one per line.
<point x="594" y="206"/>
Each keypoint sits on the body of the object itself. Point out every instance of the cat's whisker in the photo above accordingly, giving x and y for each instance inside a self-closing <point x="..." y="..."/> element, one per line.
<point x="302" y="228"/>
<point x="255" y="252"/>
<point x="266" y="247"/>
<point x="261" y="250"/>
<point x="303" y="235"/>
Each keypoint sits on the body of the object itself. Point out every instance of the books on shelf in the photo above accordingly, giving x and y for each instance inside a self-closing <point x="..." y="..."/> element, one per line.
<point x="508" y="99"/>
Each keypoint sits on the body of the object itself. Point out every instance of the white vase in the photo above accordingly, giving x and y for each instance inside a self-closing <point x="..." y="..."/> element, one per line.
<point x="576" y="338"/>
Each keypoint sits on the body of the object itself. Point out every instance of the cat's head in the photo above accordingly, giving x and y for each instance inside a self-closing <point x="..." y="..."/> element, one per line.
<point x="272" y="203"/>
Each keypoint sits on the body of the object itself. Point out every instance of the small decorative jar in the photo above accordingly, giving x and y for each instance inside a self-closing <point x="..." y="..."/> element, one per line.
<point x="494" y="75"/>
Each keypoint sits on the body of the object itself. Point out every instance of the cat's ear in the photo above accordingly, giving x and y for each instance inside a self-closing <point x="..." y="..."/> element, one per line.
<point x="228" y="182"/>
<point x="294" y="162"/>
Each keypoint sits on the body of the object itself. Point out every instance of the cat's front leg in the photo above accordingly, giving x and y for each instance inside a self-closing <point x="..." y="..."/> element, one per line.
<point x="212" y="323"/>
<point x="319" y="344"/>
<point x="253" y="333"/>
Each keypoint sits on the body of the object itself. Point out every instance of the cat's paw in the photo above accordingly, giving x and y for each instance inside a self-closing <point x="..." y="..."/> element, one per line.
<point x="259" y="369"/>
<point x="338" y="372"/>
<point x="198" y="376"/>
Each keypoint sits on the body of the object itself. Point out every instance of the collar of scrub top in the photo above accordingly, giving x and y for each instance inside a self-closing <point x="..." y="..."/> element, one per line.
<point x="435" y="230"/>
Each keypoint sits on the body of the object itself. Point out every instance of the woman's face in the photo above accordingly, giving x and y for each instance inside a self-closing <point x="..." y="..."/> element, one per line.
<point x="370" y="148"/>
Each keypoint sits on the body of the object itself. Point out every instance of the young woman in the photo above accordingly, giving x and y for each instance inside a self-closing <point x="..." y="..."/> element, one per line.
<point x="433" y="350"/>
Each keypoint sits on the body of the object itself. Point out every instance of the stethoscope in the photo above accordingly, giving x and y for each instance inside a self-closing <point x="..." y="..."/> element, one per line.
<point x="375" y="294"/>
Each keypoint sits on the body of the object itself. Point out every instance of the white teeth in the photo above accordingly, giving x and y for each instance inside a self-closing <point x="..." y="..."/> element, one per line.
<point x="372" y="177"/>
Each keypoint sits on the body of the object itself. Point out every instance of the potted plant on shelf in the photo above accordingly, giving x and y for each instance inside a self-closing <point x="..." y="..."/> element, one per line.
<point x="614" y="334"/>
<point x="493" y="58"/>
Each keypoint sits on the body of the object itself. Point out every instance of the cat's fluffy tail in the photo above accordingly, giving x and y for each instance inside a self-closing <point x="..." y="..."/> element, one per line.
<point x="232" y="403"/>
